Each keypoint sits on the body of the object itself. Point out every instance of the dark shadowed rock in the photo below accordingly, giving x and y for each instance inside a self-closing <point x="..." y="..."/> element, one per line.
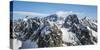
<point x="53" y="17"/>
<point x="70" y="20"/>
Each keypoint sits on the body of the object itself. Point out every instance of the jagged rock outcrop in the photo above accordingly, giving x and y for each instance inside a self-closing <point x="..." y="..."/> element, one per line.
<point x="83" y="34"/>
<point x="34" y="29"/>
<point x="90" y="23"/>
<point x="70" y="20"/>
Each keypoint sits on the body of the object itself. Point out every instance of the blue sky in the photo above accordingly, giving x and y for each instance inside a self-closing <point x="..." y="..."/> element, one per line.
<point x="48" y="8"/>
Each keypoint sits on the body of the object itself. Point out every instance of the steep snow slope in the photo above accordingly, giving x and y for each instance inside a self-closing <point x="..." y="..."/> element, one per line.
<point x="68" y="37"/>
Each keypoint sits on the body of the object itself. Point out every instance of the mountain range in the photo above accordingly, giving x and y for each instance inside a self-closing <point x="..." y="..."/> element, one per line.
<point x="55" y="30"/>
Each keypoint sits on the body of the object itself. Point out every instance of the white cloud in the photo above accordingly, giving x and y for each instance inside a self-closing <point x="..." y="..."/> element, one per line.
<point x="22" y="14"/>
<point x="29" y="13"/>
<point x="65" y="13"/>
